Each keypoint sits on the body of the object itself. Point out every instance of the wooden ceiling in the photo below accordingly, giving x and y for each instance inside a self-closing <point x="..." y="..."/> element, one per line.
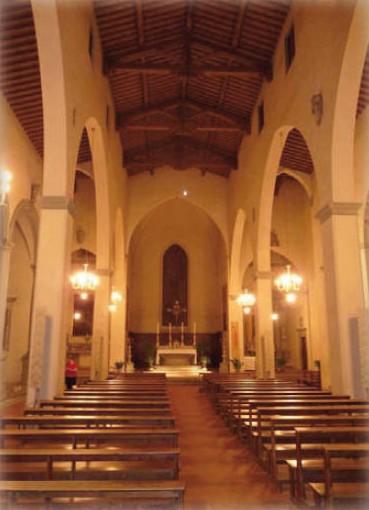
<point x="185" y="77"/>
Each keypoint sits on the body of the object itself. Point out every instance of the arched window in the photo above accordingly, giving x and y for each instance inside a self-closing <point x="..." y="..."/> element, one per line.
<point x="175" y="275"/>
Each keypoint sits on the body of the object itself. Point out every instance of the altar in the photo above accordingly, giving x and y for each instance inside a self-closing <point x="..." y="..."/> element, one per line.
<point x="181" y="355"/>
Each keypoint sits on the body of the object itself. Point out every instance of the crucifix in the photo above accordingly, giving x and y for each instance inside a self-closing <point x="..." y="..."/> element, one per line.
<point x="176" y="311"/>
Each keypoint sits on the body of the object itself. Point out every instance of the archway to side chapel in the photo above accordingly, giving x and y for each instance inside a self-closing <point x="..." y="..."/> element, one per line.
<point x="291" y="226"/>
<point x="183" y="227"/>
<point x="91" y="246"/>
<point x="284" y="237"/>
<point x="235" y="342"/>
<point x="23" y="233"/>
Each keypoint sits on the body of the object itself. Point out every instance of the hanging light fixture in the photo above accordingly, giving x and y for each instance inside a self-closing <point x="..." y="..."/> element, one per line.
<point x="247" y="300"/>
<point x="289" y="282"/>
<point x="84" y="280"/>
<point x="5" y="178"/>
<point x="115" y="298"/>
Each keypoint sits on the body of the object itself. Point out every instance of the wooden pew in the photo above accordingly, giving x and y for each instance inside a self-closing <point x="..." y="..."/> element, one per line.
<point x="85" y="438"/>
<point x="271" y="419"/>
<point x="111" y="394"/>
<point x="237" y="404"/>
<point x="77" y="411"/>
<point x="347" y="457"/>
<point x="299" y="405"/>
<point x="345" y="481"/>
<point x="308" y="441"/>
<point x="170" y="493"/>
<point x="83" y="464"/>
<point x="129" y="406"/>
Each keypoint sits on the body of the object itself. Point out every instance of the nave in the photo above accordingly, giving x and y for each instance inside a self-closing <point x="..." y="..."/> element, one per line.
<point x="141" y="442"/>
<point x="220" y="472"/>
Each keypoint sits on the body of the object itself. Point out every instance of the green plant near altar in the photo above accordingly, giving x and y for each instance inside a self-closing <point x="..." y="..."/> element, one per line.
<point x="119" y="365"/>
<point x="237" y="364"/>
<point x="150" y="354"/>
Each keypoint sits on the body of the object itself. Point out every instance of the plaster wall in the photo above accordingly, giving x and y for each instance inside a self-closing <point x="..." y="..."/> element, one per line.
<point x="20" y="289"/>
<point x="208" y="192"/>
<point x="18" y="156"/>
<point x="85" y="215"/>
<point x="177" y="222"/>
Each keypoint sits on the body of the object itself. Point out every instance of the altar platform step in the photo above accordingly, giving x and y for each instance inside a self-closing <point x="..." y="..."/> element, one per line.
<point x="188" y="374"/>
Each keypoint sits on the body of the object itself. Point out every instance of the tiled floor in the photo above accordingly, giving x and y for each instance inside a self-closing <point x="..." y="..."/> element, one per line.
<point x="220" y="473"/>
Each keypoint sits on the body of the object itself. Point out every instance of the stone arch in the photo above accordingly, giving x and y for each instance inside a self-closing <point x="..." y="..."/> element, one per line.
<point x="100" y="176"/>
<point x="181" y="222"/>
<point x="235" y="277"/>
<point x="23" y="237"/>
<point x="117" y="351"/>
<point x="346" y="104"/>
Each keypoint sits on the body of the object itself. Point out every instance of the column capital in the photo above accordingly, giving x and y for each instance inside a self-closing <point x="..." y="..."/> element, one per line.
<point x="263" y="275"/>
<point x="7" y="245"/>
<point x="58" y="202"/>
<point x="104" y="271"/>
<point x="337" y="209"/>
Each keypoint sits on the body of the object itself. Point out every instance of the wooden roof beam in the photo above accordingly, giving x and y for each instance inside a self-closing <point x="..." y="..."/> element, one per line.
<point x="260" y="66"/>
<point x="241" y="71"/>
<point x="135" y="155"/>
<point x="124" y="119"/>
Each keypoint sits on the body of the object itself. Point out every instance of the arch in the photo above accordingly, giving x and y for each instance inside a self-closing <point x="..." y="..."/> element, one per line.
<point x="54" y="98"/>
<point x="264" y="213"/>
<point x="175" y="284"/>
<point x="25" y="214"/>
<point x="304" y="179"/>
<point x="235" y="252"/>
<point x="169" y="224"/>
<point x="343" y="188"/>
<point x="365" y="261"/>
<point x="100" y="173"/>
<point x="208" y="194"/>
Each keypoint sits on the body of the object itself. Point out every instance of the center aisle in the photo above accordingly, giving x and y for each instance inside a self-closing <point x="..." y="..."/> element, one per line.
<point x="220" y="473"/>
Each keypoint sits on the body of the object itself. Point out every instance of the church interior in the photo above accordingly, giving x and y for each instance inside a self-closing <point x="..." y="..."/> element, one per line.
<point x="184" y="185"/>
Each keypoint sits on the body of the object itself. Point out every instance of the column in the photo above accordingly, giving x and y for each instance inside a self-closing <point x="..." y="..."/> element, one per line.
<point x="101" y="334"/>
<point x="5" y="252"/>
<point x="344" y="296"/>
<point x="264" y="342"/>
<point x="118" y="323"/>
<point x="49" y="317"/>
<point x="235" y="334"/>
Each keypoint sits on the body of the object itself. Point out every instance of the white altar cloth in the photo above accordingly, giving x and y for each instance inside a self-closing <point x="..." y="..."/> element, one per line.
<point x="176" y="355"/>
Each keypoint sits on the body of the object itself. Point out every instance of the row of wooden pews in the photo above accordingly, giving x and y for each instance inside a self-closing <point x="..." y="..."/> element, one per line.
<point x="313" y="442"/>
<point x="107" y="444"/>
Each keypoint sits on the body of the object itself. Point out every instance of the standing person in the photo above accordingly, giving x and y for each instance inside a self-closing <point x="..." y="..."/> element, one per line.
<point x="71" y="369"/>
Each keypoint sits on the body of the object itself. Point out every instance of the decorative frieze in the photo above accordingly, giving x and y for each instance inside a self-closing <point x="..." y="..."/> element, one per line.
<point x="338" y="209"/>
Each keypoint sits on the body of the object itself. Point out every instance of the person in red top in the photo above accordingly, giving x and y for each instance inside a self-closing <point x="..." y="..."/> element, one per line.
<point x="71" y="369"/>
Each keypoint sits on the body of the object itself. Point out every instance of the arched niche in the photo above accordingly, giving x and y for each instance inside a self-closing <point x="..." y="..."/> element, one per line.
<point x="174" y="286"/>
<point x="181" y="223"/>
<point x="23" y="236"/>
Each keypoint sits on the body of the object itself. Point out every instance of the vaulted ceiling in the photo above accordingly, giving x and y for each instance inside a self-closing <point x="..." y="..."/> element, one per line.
<point x="185" y="77"/>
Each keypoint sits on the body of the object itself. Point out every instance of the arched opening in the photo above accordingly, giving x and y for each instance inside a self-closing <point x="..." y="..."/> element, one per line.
<point x="16" y="340"/>
<point x="174" y="286"/>
<point x="83" y="256"/>
<point x="177" y="230"/>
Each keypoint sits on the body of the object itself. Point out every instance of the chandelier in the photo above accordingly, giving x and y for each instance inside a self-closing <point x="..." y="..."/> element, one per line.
<point x="289" y="283"/>
<point x="247" y="300"/>
<point x="115" y="298"/>
<point x="84" y="280"/>
<point x="5" y="178"/>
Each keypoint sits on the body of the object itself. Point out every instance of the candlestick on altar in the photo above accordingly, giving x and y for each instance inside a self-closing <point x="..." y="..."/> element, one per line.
<point x="194" y="333"/>
<point x="157" y="334"/>
<point x="182" y="333"/>
<point x="170" y="333"/>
